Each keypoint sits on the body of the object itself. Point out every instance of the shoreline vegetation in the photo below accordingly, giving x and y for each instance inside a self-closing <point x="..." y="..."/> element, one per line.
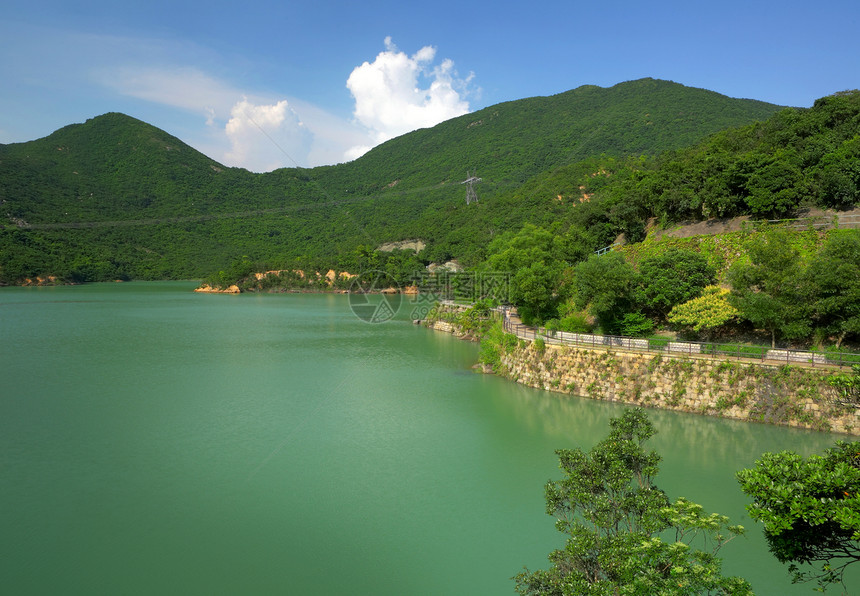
<point x="792" y="283"/>
<point x="281" y="280"/>
<point x="819" y="397"/>
<point x="589" y="245"/>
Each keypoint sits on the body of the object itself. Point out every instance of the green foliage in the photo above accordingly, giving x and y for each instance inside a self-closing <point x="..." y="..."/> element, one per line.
<point x="477" y="322"/>
<point x="833" y="284"/>
<point x="766" y="289"/>
<point x="117" y="198"/>
<point x="775" y="185"/>
<point x="495" y="342"/>
<point x="838" y="175"/>
<point x="707" y="312"/>
<point x="766" y="168"/>
<point x="847" y="386"/>
<point x="535" y="258"/>
<point x="617" y="522"/>
<point x="574" y="323"/>
<point x="605" y="285"/>
<point x="673" y="277"/>
<point x="810" y="509"/>
<point x="635" y="324"/>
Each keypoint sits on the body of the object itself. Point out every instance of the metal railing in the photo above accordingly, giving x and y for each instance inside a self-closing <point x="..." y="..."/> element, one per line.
<point x="606" y="249"/>
<point x="683" y="348"/>
<point x="849" y="221"/>
<point x="821" y="222"/>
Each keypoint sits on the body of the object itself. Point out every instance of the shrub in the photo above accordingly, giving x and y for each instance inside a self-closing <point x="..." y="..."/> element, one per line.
<point x="636" y="324"/>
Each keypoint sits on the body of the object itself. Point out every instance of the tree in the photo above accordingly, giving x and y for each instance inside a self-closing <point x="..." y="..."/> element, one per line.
<point x="605" y="285"/>
<point x="616" y="518"/>
<point x="838" y="175"/>
<point x="707" y="312"/>
<point x="533" y="289"/>
<point x="766" y="289"/>
<point x="810" y="509"/>
<point x="674" y="277"/>
<point x="776" y="186"/>
<point x="534" y="258"/>
<point x="833" y="279"/>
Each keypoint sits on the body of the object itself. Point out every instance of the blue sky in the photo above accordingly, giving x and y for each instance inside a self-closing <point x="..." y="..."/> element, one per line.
<point x="269" y="84"/>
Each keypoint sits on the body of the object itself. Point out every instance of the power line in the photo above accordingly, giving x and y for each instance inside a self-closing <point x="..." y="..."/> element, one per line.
<point x="215" y="216"/>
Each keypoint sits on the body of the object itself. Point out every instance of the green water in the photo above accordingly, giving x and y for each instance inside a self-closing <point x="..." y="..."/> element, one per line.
<point x="157" y="441"/>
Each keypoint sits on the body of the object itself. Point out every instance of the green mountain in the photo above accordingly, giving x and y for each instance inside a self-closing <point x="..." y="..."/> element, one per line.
<point x="117" y="198"/>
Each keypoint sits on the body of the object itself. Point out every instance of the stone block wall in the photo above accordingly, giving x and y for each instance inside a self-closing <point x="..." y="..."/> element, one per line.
<point x="753" y="391"/>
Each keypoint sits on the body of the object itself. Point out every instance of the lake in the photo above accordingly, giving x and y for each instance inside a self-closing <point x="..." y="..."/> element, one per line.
<point x="158" y="441"/>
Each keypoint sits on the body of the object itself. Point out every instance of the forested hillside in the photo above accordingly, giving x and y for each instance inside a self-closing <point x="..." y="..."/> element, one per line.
<point x="117" y="198"/>
<point x="798" y="158"/>
<point x="791" y="282"/>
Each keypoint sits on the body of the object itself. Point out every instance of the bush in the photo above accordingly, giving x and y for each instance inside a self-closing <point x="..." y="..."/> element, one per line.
<point x="494" y="343"/>
<point x="636" y="324"/>
<point x="574" y="323"/>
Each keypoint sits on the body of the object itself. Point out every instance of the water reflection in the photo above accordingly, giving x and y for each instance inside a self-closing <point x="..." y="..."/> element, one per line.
<point x="706" y="438"/>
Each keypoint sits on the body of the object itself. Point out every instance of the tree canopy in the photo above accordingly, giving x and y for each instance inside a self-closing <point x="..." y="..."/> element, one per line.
<point x="709" y="311"/>
<point x="833" y="282"/>
<point x="535" y="258"/>
<point x="605" y="285"/>
<point x="766" y="289"/>
<point x="617" y="522"/>
<point x="673" y="277"/>
<point x="810" y="509"/>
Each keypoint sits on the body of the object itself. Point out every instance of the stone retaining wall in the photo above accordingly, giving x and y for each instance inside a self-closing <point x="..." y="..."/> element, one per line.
<point x="753" y="391"/>
<point x="678" y="379"/>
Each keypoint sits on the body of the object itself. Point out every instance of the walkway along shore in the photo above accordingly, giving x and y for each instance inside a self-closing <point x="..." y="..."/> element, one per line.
<point x="786" y="387"/>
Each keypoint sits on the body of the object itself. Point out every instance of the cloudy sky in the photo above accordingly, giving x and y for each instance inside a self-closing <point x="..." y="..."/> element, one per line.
<point x="267" y="84"/>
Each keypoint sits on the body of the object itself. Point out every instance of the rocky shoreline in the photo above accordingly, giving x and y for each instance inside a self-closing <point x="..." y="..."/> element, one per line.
<point x="752" y="391"/>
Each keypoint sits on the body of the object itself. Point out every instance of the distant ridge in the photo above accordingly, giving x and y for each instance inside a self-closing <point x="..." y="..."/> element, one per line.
<point x="115" y="168"/>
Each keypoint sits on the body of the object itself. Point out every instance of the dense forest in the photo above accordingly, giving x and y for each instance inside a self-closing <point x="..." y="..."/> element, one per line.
<point x="790" y="284"/>
<point x="115" y="198"/>
<point x="773" y="282"/>
<point x="562" y="177"/>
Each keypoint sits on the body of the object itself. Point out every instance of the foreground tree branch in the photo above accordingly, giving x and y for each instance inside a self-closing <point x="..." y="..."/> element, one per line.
<point x="810" y="509"/>
<point x="614" y="515"/>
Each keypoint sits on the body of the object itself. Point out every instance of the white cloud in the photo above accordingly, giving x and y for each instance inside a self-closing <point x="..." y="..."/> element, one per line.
<point x="265" y="137"/>
<point x="332" y="134"/>
<point x="390" y="101"/>
<point x="86" y="74"/>
<point x="181" y="87"/>
<point x="252" y="132"/>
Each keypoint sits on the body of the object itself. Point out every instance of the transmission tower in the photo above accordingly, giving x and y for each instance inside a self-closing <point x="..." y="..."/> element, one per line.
<point x="470" y="181"/>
